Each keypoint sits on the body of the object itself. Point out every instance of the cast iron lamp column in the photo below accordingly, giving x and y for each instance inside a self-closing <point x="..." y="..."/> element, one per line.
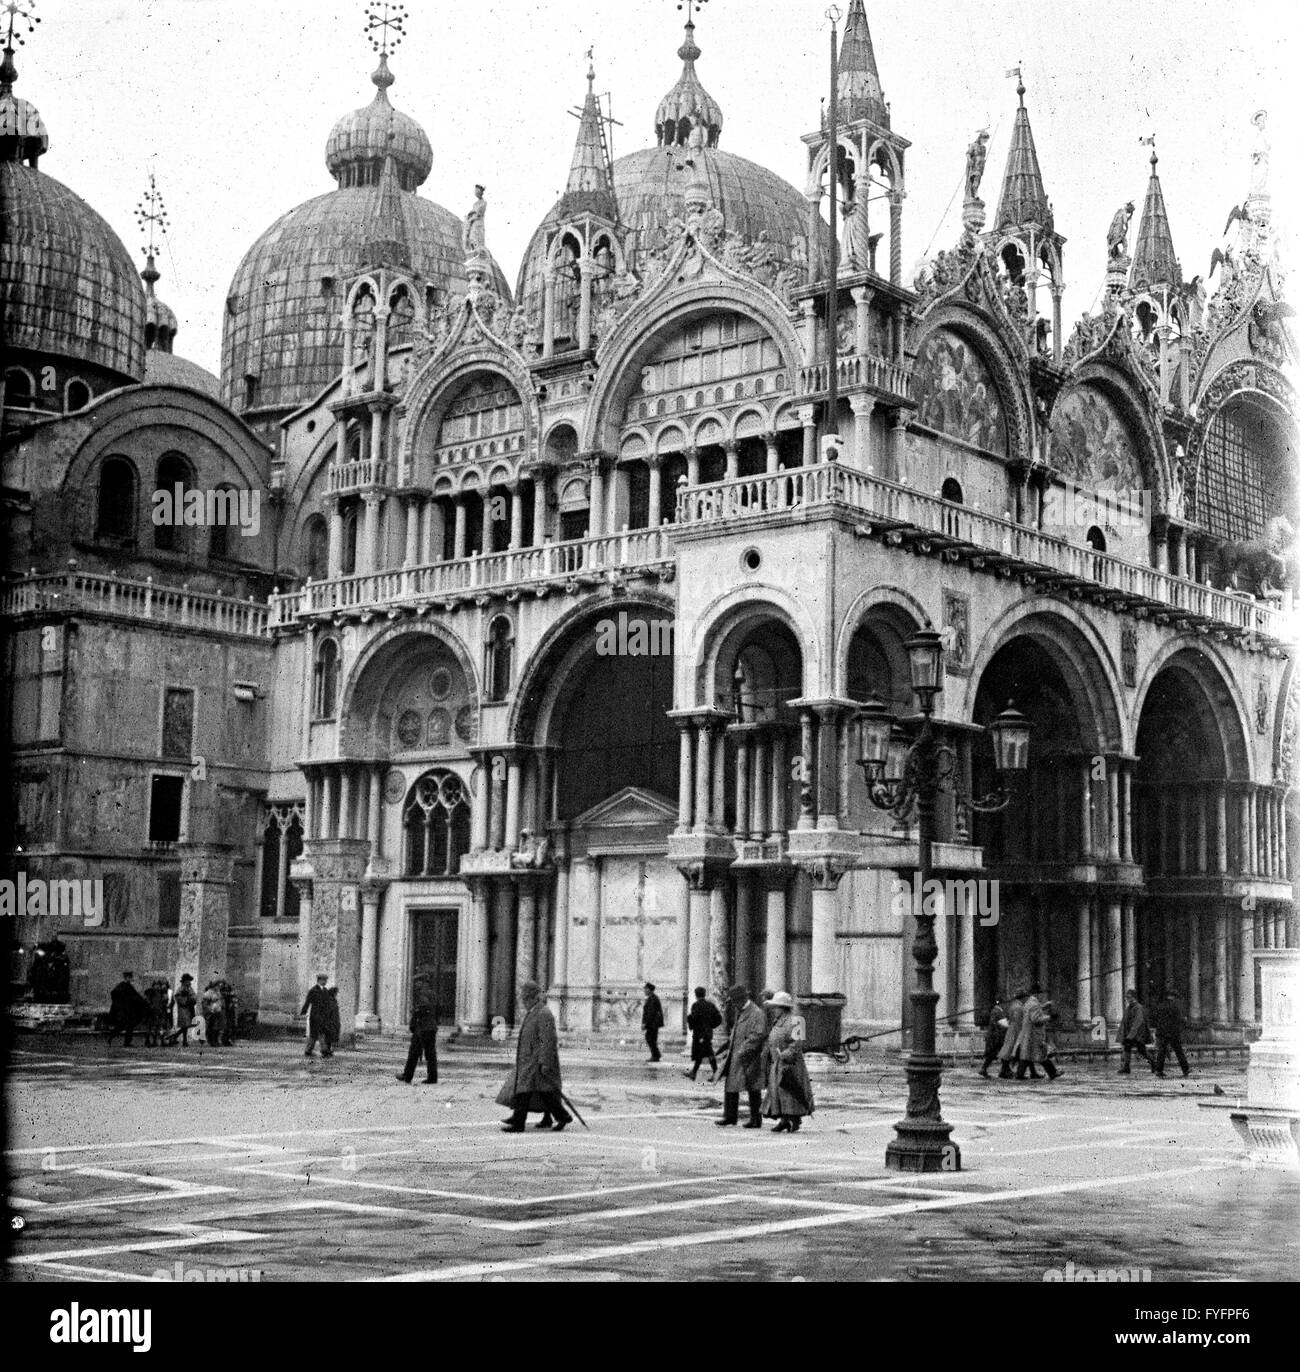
<point x="922" y="1140"/>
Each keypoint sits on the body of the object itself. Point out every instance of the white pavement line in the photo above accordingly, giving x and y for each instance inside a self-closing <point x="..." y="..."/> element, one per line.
<point x="667" y="1207"/>
<point x="160" y="1183"/>
<point x="140" y="1198"/>
<point x="863" y="1214"/>
<point x="193" y="1240"/>
<point x="1002" y="1124"/>
<point x="78" y="1272"/>
<point x="516" y="1201"/>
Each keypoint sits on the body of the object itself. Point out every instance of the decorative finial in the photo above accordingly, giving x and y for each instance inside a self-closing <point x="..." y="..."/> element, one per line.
<point x="1150" y="141"/>
<point x="690" y="6"/>
<point x="591" y="67"/>
<point x="19" y="12"/>
<point x="1020" y="82"/>
<point x="151" y="216"/>
<point x="386" y="27"/>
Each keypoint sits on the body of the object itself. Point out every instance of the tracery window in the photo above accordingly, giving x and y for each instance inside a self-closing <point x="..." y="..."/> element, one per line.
<point x="1242" y="479"/>
<point x="435" y="825"/>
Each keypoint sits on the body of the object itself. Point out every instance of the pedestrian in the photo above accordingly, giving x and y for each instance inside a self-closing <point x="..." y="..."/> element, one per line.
<point x="652" y="1020"/>
<point x="424" y="1031"/>
<point x="789" y="1092"/>
<point x="214" y="1013"/>
<point x="185" y="1000"/>
<point x="1031" y="1047"/>
<point x="995" y="1032"/>
<point x="155" y="1025"/>
<point x="702" y="1019"/>
<point x="317" y="1009"/>
<point x="1015" y="1018"/>
<point x="333" y="1022"/>
<point x="743" y="1068"/>
<point x="537" y="1083"/>
<point x="229" y="1012"/>
<point x="126" y="1008"/>
<point x="1134" y="1033"/>
<point x="1167" y="1021"/>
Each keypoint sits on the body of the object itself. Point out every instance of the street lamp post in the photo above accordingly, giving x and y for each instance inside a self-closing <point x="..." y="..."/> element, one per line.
<point x="922" y="1141"/>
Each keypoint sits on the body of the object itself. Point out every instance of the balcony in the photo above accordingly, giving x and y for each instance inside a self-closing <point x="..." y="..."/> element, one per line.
<point x="987" y="542"/>
<point x="137" y="600"/>
<point x="856" y="371"/>
<point x="577" y="563"/>
<point x="358" y="476"/>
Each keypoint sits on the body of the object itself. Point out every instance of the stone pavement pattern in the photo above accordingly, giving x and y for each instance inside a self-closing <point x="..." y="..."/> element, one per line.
<point x="127" y="1162"/>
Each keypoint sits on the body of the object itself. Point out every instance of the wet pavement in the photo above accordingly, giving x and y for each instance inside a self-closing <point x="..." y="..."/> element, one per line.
<point x="135" y="1164"/>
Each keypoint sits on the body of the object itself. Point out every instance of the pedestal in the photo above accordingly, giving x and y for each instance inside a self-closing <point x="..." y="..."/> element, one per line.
<point x="1269" y="1124"/>
<point x="203" y="933"/>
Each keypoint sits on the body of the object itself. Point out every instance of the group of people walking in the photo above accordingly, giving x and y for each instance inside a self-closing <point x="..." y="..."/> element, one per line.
<point x="167" y="1016"/>
<point x="1136" y="1031"/>
<point x="1016" y="1037"/>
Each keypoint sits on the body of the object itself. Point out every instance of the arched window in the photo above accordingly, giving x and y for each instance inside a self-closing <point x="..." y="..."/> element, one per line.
<point x="350" y="540"/>
<point x="951" y="492"/>
<point x="115" y="515"/>
<point x="227" y="510"/>
<point x="1095" y="539"/>
<point x="1244" y="477"/>
<point x="76" y="396"/>
<point x="499" y="657"/>
<point x="435" y="826"/>
<point x="174" y="478"/>
<point x="326" y="679"/>
<point x="19" y="390"/>
<point x="316" y="544"/>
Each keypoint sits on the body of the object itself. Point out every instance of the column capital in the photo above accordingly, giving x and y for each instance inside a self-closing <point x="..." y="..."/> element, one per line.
<point x="825" y="873"/>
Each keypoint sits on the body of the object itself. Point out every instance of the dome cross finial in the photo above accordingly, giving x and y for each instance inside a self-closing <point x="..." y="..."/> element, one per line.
<point x="151" y="216"/>
<point x="386" y="27"/>
<point x="17" y="13"/>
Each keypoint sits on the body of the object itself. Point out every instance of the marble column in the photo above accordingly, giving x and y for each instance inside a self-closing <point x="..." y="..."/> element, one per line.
<point x="1220" y="828"/>
<point x="498" y="816"/>
<point x="560" y="942"/>
<point x="698" y="933"/>
<point x="539" y="508"/>
<point x="1130" y="944"/>
<point x="459" y="530"/>
<point x="719" y="940"/>
<point x="685" y="774"/>
<point x="742" y="957"/>
<point x="655" y="516"/>
<point x="1194" y="963"/>
<point x="202" y="936"/>
<point x="596" y="500"/>
<point x="526" y="968"/>
<point x="367" y="1018"/>
<point x="774" y="951"/>
<point x="480" y="784"/>
<point x="435" y="531"/>
<point x="1126" y="832"/>
<point x="742" y="786"/>
<point x="594" y="917"/>
<point x="1246" y="970"/>
<point x="1112" y="810"/>
<point x="1114" y="961"/>
<point x="514" y="800"/>
<point x="1083" y="959"/>
<point x="718" y="806"/>
<point x="808" y="759"/>
<point x="703" y="786"/>
<point x="504" y="989"/>
<point x="824" y="972"/>
<point x="1220" y="917"/>
<point x="476" y="963"/>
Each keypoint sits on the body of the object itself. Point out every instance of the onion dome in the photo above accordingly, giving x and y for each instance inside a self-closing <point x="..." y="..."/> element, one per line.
<point x="70" y="289"/>
<point x="360" y="141"/>
<point x="283" y="338"/>
<point x="1024" y="198"/>
<point x="159" y="318"/>
<point x="688" y="102"/>
<point x="858" y="80"/>
<point x="1154" y="261"/>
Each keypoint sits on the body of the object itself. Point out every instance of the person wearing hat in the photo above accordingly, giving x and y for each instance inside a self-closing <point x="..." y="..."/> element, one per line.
<point x="789" y="1092"/>
<point x="743" y="1068"/>
<point x="317" y="1009"/>
<point x="703" y="1019"/>
<point x="424" y="1031"/>
<point x="537" y="1064"/>
<point x="652" y="1020"/>
<point x="127" y="1007"/>
<point x="1031" y="1047"/>
<point x="184" y="1000"/>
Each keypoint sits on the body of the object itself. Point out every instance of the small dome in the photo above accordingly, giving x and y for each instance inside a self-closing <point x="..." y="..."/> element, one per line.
<point x="166" y="369"/>
<point x="69" y="286"/>
<point x="687" y="103"/>
<point x="360" y="141"/>
<point x="23" y="137"/>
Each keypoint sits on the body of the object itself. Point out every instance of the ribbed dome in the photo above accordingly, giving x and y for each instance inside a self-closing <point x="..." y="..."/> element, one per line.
<point x="360" y="141"/>
<point x="166" y="369"/>
<point x="282" y="312"/>
<point x="651" y="190"/>
<point x="69" y="287"/>
<point x="687" y="102"/>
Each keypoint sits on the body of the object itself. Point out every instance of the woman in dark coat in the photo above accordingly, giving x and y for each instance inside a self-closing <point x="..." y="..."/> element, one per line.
<point x="333" y="1020"/>
<point x="1015" y="1018"/>
<point x="789" y="1092"/>
<point x="537" y="1064"/>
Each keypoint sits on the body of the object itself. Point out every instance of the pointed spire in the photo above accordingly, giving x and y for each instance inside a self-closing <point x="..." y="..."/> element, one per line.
<point x="1154" y="261"/>
<point x="860" y="92"/>
<point x="688" y="115"/>
<point x="1024" y="199"/>
<point x="589" y="188"/>
<point x="385" y="237"/>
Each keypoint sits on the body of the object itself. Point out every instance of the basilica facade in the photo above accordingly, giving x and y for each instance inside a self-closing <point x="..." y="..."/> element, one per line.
<point x="543" y="655"/>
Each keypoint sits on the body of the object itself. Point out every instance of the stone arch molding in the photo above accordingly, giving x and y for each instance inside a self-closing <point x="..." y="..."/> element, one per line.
<point x="383" y="641"/>
<point x="893" y="597"/>
<point x="694" y="280"/>
<point x="697" y="654"/>
<point x="1076" y="647"/>
<point x="431" y="388"/>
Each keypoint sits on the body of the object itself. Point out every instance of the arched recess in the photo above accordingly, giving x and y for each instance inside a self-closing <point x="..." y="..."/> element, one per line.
<point x="703" y="657"/>
<point x="409" y="693"/>
<point x="895" y="605"/>
<point x="1002" y="357"/>
<point x="642" y="330"/>
<point x="1090" y="452"/>
<point x="618" y="650"/>
<point x="117" y="507"/>
<point x="434" y="390"/>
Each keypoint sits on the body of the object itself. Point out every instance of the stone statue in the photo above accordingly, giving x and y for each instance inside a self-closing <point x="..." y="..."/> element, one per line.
<point x="473" y="239"/>
<point x="1117" y="234"/>
<point x="976" y="155"/>
<point x="698" y="138"/>
<point x="531" y="854"/>
<point x="1259" y="155"/>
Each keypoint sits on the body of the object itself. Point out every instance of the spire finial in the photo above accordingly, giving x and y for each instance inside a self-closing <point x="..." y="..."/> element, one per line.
<point x="1020" y="83"/>
<point x="385" y="29"/>
<point x="591" y="69"/>
<point x="17" y="14"/>
<point x="1150" y="141"/>
<point x="151" y="216"/>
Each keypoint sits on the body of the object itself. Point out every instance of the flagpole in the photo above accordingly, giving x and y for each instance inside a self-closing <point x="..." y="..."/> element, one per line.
<point x="832" y="282"/>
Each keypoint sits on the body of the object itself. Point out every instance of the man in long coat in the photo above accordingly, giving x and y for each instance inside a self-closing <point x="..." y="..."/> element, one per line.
<point x="424" y="1031"/>
<point x="1134" y="1032"/>
<point x="1167" y="1021"/>
<point x="652" y="1020"/>
<point x="743" y="1068"/>
<point x="1031" y="1045"/>
<point x="995" y="1033"/>
<point x="127" y="1008"/>
<point x="317" y="1009"/>
<point x="537" y="1063"/>
<point x="1015" y="1017"/>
